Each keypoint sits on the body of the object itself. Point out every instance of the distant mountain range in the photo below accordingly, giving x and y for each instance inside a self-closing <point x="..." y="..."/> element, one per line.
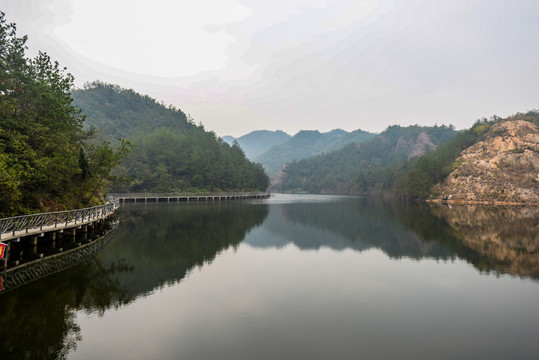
<point x="257" y="142"/>
<point x="338" y="171"/>
<point x="274" y="149"/>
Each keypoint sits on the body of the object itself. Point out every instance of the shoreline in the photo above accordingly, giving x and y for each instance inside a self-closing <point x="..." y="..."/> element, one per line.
<point x="481" y="202"/>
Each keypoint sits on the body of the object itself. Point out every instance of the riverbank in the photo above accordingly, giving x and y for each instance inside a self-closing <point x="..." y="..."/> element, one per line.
<point x="482" y="202"/>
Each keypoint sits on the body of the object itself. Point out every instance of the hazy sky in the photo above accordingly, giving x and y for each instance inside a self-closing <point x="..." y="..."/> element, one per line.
<point x="242" y="65"/>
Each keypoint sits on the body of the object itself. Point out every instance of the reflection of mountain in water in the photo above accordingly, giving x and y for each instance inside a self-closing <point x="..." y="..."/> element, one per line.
<point x="158" y="244"/>
<point x="154" y="245"/>
<point x="505" y="238"/>
<point x="500" y="239"/>
<point x="357" y="224"/>
<point x="166" y="241"/>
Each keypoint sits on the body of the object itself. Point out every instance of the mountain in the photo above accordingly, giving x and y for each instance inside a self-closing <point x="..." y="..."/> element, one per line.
<point x="116" y="113"/>
<point x="229" y="139"/>
<point x="356" y="167"/>
<point x="172" y="153"/>
<point x="259" y="141"/>
<point x="502" y="167"/>
<point x="308" y="143"/>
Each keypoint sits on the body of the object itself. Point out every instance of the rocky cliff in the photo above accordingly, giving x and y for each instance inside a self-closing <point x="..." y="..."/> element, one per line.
<point x="504" y="167"/>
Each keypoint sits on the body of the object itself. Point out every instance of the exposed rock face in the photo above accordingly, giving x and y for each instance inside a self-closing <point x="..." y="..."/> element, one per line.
<point x="502" y="168"/>
<point x="419" y="147"/>
<point x="423" y="145"/>
<point x="277" y="180"/>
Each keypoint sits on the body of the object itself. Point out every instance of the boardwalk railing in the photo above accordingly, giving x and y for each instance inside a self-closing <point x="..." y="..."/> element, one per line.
<point x="21" y="225"/>
<point x="176" y="195"/>
<point x="14" y="227"/>
<point x="160" y="197"/>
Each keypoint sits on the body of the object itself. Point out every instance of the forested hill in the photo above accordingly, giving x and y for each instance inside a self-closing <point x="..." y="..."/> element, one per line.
<point x="172" y="154"/>
<point x="308" y="143"/>
<point x="357" y="167"/>
<point x="123" y="113"/>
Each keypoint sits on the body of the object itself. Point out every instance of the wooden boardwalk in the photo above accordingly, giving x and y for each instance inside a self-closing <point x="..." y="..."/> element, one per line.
<point x="151" y="197"/>
<point x="17" y="227"/>
<point x="29" y="229"/>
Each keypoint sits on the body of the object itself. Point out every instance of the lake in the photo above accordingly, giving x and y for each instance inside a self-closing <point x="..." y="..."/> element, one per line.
<point x="291" y="277"/>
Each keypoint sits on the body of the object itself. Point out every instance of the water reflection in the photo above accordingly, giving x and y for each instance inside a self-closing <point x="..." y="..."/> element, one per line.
<point x="37" y="320"/>
<point x="357" y="224"/>
<point x="155" y="245"/>
<point x="158" y="245"/>
<point x="500" y="239"/>
<point x="163" y="242"/>
<point x="504" y="239"/>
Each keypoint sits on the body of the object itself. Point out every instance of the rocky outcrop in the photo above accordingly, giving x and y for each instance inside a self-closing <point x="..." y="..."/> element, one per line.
<point x="419" y="147"/>
<point x="277" y="180"/>
<point x="503" y="168"/>
<point x="422" y="145"/>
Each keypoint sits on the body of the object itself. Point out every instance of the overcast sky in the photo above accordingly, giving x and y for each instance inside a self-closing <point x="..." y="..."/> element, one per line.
<point x="243" y="65"/>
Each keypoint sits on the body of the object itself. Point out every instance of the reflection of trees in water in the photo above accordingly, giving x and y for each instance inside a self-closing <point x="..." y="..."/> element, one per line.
<point x="153" y="247"/>
<point x="505" y="239"/>
<point x="38" y="320"/>
<point x="357" y="224"/>
<point x="502" y="239"/>
<point x="165" y="241"/>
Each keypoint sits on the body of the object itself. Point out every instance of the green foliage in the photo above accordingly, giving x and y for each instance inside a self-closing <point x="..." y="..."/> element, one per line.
<point x="116" y="113"/>
<point x="308" y="143"/>
<point x="172" y="154"/>
<point x="371" y="166"/>
<point x="381" y="165"/>
<point x="41" y="131"/>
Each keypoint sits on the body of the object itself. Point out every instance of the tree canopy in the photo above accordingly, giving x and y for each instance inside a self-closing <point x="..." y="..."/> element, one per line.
<point x="172" y="153"/>
<point x="42" y="141"/>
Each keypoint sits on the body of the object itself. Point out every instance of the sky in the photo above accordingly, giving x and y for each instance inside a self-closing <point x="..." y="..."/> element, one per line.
<point x="243" y="65"/>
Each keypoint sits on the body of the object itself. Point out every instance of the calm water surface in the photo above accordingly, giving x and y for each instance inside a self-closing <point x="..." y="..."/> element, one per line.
<point x="291" y="277"/>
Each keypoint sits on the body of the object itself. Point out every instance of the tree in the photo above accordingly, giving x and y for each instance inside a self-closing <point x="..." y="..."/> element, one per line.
<point x="41" y="131"/>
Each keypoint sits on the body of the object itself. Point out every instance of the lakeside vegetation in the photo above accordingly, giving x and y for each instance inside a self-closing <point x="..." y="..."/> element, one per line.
<point x="172" y="153"/>
<point x="382" y="165"/>
<point x="46" y="161"/>
<point x="52" y="159"/>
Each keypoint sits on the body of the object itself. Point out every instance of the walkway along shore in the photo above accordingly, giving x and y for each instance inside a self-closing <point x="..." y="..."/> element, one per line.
<point x="32" y="237"/>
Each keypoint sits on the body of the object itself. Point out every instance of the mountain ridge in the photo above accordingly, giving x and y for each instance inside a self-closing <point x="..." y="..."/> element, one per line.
<point x="308" y="143"/>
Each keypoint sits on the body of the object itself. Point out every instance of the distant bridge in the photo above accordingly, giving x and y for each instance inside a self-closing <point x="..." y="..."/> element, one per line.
<point x="159" y="197"/>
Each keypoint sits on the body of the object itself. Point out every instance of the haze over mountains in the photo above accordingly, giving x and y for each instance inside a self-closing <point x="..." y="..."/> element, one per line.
<point x="274" y="149"/>
<point x="258" y="142"/>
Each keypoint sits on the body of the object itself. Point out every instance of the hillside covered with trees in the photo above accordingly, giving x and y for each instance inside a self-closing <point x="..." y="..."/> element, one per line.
<point x="46" y="161"/>
<point x="307" y="143"/>
<point x="172" y="153"/>
<point x="370" y="166"/>
<point x="391" y="164"/>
